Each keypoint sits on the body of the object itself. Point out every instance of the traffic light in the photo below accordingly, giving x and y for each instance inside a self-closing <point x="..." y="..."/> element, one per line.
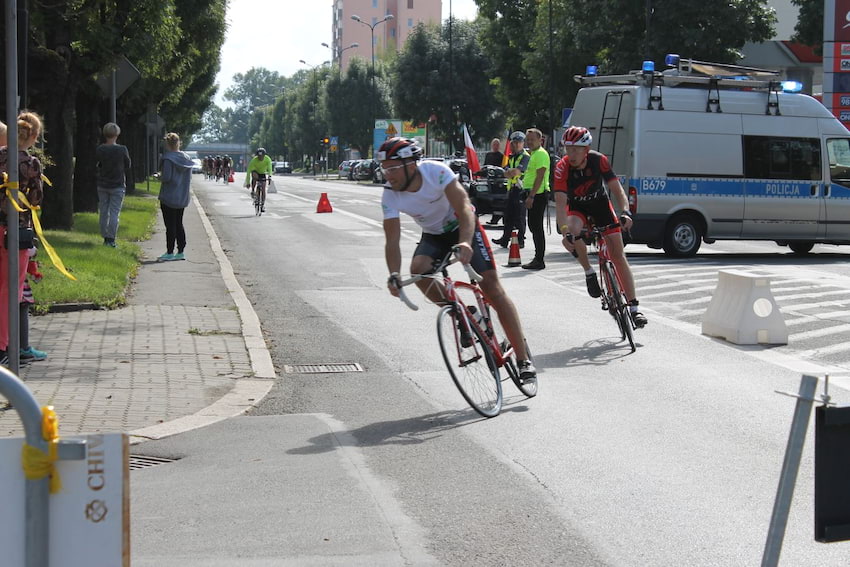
<point x="326" y="142"/>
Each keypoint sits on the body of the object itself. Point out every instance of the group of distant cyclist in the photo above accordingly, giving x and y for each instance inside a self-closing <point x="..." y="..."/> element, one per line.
<point x="218" y="168"/>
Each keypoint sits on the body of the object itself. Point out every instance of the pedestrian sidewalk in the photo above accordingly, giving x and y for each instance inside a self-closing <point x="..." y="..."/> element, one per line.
<point x="185" y="351"/>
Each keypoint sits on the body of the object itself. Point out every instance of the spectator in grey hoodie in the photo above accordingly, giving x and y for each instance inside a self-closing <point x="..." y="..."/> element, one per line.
<point x="174" y="196"/>
<point x="113" y="160"/>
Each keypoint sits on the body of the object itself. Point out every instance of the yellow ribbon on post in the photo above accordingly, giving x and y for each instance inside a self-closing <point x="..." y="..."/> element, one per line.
<point x="36" y="463"/>
<point x="36" y="223"/>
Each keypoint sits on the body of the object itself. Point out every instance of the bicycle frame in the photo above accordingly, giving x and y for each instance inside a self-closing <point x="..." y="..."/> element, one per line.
<point x="613" y="299"/>
<point x="474" y="340"/>
<point x="452" y="298"/>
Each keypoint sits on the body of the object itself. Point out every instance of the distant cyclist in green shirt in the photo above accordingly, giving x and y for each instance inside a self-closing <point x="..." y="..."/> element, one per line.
<point x="536" y="181"/>
<point x="260" y="164"/>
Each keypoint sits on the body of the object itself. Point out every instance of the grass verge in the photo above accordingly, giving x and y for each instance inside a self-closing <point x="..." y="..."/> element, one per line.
<point x="103" y="273"/>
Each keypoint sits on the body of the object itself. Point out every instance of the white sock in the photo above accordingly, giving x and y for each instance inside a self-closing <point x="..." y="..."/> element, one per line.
<point x="589" y="272"/>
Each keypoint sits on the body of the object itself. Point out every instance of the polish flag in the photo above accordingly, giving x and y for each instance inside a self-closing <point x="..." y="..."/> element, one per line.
<point x="471" y="156"/>
<point x="507" y="152"/>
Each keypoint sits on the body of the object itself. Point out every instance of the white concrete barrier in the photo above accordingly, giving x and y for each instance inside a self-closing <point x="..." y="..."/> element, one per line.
<point x="743" y="311"/>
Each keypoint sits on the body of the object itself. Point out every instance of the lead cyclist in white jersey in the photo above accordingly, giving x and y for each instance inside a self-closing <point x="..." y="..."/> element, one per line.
<point x="429" y="192"/>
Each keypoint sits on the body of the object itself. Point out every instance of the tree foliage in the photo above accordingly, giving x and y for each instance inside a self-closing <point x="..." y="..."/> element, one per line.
<point x="809" y="28"/>
<point x="347" y="104"/>
<point x="443" y="78"/>
<point x="533" y="82"/>
<point x="175" y="45"/>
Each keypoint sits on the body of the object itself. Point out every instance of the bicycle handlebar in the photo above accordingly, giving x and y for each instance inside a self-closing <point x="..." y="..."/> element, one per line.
<point x="446" y="262"/>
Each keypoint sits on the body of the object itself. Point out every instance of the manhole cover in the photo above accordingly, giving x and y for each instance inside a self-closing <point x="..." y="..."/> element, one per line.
<point x="321" y="368"/>
<point x="138" y="462"/>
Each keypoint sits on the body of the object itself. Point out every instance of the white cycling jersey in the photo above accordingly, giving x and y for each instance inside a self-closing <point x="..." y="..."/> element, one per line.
<point x="428" y="206"/>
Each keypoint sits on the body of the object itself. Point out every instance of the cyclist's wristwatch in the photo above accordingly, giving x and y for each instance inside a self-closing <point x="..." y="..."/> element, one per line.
<point x="393" y="279"/>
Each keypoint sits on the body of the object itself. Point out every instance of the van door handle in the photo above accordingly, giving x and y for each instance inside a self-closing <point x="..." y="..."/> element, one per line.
<point x="814" y="190"/>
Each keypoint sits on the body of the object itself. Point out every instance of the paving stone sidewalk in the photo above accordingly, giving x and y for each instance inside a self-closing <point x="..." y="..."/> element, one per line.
<point x="172" y="351"/>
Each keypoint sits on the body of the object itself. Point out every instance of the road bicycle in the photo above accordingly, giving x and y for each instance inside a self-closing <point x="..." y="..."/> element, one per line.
<point x="473" y="345"/>
<point x="260" y="194"/>
<point x="613" y="295"/>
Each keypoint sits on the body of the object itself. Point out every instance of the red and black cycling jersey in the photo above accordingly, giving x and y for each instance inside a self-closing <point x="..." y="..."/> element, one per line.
<point x="584" y="184"/>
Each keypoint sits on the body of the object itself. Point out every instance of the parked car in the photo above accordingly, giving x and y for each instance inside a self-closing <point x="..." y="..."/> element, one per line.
<point x="282" y="167"/>
<point x="488" y="190"/>
<point x="378" y="175"/>
<point x="363" y="170"/>
<point x="197" y="165"/>
<point x="345" y="168"/>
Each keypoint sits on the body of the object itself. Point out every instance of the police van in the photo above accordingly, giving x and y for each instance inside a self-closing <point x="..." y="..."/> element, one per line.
<point x="708" y="151"/>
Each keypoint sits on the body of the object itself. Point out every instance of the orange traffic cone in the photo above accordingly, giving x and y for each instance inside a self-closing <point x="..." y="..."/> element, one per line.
<point x="514" y="261"/>
<point x="324" y="205"/>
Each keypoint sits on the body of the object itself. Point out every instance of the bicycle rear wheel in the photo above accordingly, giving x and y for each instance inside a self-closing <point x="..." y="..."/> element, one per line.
<point x="619" y="305"/>
<point x="472" y="368"/>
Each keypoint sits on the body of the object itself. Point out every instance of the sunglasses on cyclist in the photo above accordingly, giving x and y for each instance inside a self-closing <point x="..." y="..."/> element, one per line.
<point x="386" y="170"/>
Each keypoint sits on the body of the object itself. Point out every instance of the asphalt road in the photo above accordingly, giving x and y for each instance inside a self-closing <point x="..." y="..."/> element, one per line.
<point x="668" y="456"/>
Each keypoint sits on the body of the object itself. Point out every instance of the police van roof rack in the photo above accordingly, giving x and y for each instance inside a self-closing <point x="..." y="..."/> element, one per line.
<point x="689" y="72"/>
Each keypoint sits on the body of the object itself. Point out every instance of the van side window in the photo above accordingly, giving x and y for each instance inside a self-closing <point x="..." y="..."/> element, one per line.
<point x="772" y="157"/>
<point x="838" y="151"/>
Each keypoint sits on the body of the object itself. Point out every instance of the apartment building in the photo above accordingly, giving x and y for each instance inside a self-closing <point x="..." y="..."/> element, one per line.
<point x="386" y="35"/>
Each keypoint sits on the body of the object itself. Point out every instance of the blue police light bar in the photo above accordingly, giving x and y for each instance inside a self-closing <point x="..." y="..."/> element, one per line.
<point x="591" y="70"/>
<point x="792" y="86"/>
<point x="671" y="59"/>
<point x="648" y="66"/>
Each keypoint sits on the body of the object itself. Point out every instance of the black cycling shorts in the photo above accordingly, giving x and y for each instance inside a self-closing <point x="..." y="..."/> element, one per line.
<point x="600" y="210"/>
<point x="438" y="245"/>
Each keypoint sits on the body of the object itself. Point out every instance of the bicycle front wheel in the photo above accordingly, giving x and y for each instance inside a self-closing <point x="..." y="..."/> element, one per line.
<point x="472" y="368"/>
<point x="618" y="305"/>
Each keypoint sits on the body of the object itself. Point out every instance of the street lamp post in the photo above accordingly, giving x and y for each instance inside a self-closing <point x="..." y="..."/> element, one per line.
<point x="372" y="27"/>
<point x="339" y="55"/>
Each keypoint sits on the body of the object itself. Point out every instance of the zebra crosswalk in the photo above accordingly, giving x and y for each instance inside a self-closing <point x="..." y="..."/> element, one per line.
<point x="814" y="304"/>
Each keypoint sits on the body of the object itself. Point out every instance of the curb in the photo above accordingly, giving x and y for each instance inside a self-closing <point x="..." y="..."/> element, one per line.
<point x="246" y="392"/>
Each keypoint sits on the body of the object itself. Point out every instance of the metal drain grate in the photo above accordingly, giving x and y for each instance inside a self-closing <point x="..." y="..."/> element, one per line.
<point x="138" y="462"/>
<point x="321" y="368"/>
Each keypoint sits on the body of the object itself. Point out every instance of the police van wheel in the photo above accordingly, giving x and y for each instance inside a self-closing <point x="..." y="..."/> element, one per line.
<point x="683" y="236"/>
<point x="801" y="247"/>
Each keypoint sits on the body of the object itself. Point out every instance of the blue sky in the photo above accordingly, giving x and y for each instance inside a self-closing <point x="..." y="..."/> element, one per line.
<point x="273" y="35"/>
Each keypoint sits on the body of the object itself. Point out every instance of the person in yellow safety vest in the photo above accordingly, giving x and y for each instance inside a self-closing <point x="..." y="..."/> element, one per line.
<point x="515" y="211"/>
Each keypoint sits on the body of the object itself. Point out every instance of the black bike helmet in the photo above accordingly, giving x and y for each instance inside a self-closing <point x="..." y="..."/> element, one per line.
<point x="261" y="151"/>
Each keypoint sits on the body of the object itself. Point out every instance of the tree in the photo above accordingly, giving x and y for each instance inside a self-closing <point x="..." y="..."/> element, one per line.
<point x="212" y="125"/>
<point x="621" y="33"/>
<point x="70" y="43"/>
<point x="446" y="87"/>
<point x="809" y="28"/>
<point x="346" y="103"/>
<point x="255" y="88"/>
<point x="504" y="35"/>
<point x="305" y="124"/>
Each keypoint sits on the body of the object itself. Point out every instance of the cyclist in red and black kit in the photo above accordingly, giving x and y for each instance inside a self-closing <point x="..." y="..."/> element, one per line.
<point x="580" y="180"/>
